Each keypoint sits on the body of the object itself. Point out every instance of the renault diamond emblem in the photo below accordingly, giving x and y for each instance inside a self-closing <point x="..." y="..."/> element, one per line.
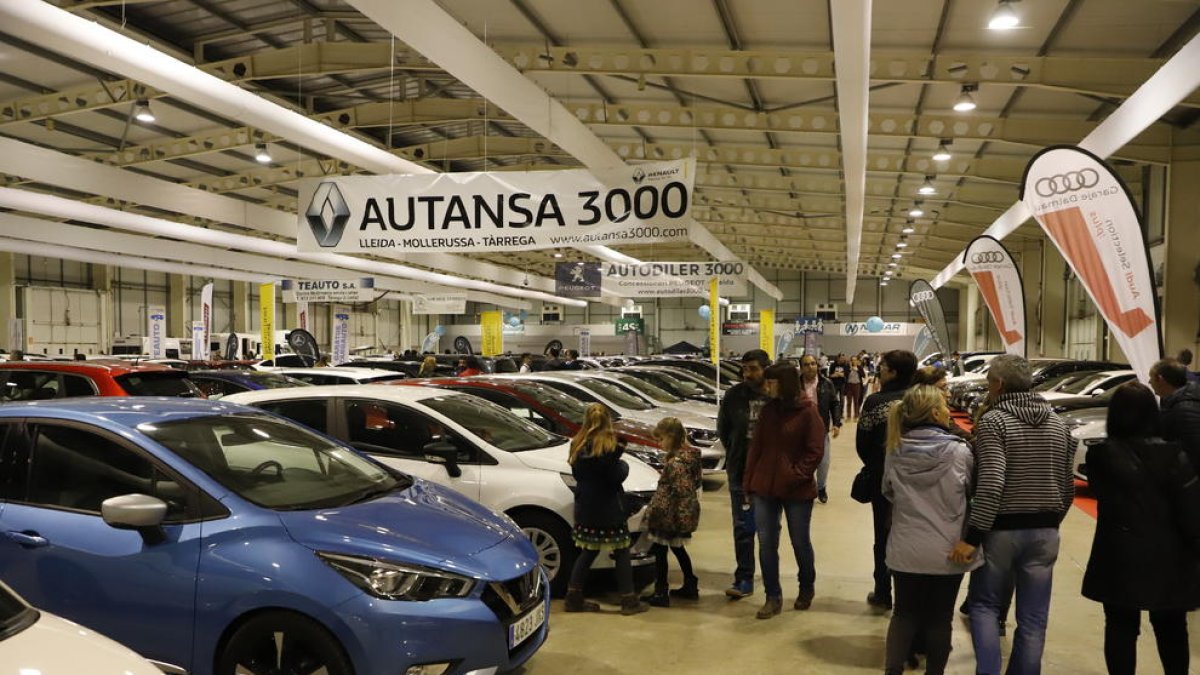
<point x="327" y="214"/>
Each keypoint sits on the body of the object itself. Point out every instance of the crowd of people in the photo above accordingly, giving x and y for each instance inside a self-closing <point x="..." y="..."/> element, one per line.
<point x="946" y="502"/>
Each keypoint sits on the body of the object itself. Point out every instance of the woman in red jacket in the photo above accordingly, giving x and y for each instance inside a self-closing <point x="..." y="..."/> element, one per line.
<point x="788" y="444"/>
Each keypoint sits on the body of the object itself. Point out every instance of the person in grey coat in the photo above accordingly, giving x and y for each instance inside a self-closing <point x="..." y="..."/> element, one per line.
<point x="927" y="476"/>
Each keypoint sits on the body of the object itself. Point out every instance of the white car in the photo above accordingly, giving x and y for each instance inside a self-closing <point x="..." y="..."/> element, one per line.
<point x="658" y="396"/>
<point x="36" y="642"/>
<point x="1093" y="384"/>
<point x="1086" y="435"/>
<point x="467" y="444"/>
<point x="340" y="375"/>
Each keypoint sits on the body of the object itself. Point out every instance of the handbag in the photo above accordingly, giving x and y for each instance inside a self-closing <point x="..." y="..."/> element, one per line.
<point x="862" y="490"/>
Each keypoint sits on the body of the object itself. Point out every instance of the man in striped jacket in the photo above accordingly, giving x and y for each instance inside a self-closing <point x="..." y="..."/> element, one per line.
<point x="1024" y="486"/>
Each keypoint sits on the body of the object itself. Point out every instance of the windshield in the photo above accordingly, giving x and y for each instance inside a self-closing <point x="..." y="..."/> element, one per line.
<point x="492" y="423"/>
<point x="159" y="383"/>
<point x="681" y="388"/>
<point x="689" y="378"/>
<point x="564" y="404"/>
<point x="654" y="392"/>
<point x="1083" y="383"/>
<point x="1057" y="383"/>
<point x="274" y="380"/>
<point x="614" y="394"/>
<point x="273" y="463"/>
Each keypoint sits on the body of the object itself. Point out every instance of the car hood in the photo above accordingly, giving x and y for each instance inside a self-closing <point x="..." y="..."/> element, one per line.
<point x="640" y="432"/>
<point x="55" y="646"/>
<point x="641" y="477"/>
<point x="424" y="524"/>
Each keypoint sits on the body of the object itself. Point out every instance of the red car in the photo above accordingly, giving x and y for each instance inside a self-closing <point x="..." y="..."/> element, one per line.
<point x="38" y="380"/>
<point x="548" y="408"/>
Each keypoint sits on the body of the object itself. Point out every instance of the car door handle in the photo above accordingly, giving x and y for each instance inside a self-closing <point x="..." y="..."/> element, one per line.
<point x="27" y="539"/>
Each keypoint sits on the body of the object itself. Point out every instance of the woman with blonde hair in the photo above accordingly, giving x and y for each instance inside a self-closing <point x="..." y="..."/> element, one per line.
<point x="674" y="512"/>
<point x="600" y="518"/>
<point x="428" y="366"/>
<point x="928" y="478"/>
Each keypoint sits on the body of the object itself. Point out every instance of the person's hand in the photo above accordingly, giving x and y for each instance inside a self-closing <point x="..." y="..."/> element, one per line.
<point x="836" y="431"/>
<point x="962" y="553"/>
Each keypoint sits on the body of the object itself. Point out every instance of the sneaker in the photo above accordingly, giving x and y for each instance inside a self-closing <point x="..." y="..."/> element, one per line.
<point x="822" y="496"/>
<point x="739" y="590"/>
<point x="879" y="601"/>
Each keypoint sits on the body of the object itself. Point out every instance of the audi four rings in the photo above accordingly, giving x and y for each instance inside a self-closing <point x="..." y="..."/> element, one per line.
<point x="1063" y="183"/>
<point x="988" y="257"/>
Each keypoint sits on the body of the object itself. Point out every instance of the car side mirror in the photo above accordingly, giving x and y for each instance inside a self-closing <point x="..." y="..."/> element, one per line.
<point x="136" y="512"/>
<point x="1097" y="392"/>
<point x="443" y="452"/>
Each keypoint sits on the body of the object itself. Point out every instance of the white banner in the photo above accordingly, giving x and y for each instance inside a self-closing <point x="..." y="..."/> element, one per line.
<point x="156" y="330"/>
<point x="496" y="211"/>
<point x="585" y="342"/>
<point x="341" y="338"/>
<point x="450" y="303"/>
<point x="867" y="329"/>
<point x="673" y="279"/>
<point x="199" y="348"/>
<point x="329" y="290"/>
<point x="206" y="313"/>
<point x="302" y="319"/>
<point x="924" y="299"/>
<point x="994" y="271"/>
<point x="16" y="335"/>
<point x="1087" y="212"/>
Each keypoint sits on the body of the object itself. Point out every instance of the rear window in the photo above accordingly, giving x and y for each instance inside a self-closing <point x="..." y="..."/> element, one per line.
<point x="161" y="383"/>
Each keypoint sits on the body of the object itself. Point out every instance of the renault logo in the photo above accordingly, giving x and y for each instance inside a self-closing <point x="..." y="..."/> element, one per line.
<point x="327" y="214"/>
<point x="1063" y="183"/>
<point x="639" y="176"/>
<point x="987" y="257"/>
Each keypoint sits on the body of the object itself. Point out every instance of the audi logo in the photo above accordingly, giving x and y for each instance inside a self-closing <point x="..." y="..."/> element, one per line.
<point x="922" y="296"/>
<point x="987" y="257"/>
<point x="1063" y="183"/>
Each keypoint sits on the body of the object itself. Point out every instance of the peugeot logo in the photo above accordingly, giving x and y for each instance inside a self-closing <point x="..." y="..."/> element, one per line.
<point x="923" y="296"/>
<point x="988" y="257"/>
<point x="1067" y="182"/>
<point x="638" y="176"/>
<point x="327" y="198"/>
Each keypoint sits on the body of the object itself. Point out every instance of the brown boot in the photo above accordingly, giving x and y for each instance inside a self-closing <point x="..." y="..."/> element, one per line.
<point x="574" y="601"/>
<point x="631" y="604"/>
<point x="804" y="600"/>
<point x="772" y="607"/>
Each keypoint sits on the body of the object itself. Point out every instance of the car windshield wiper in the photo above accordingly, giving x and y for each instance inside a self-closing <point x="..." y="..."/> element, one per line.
<point x="373" y="492"/>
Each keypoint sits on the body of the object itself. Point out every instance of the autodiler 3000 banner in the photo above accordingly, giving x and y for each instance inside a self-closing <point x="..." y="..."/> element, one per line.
<point x="1087" y="212"/>
<point x="497" y="211"/>
<point x="999" y="282"/>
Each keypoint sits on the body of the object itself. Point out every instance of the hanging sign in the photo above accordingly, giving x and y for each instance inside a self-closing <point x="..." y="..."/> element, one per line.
<point x="714" y="320"/>
<point x="199" y="347"/>
<point x="302" y="318"/>
<point x="206" y="317"/>
<point x="460" y="212"/>
<point x="341" y="338"/>
<point x="924" y="299"/>
<point x="739" y="328"/>
<point x="1087" y="212"/>
<point x="492" y="330"/>
<point x="329" y="290"/>
<point x="766" y="332"/>
<point x="585" y="342"/>
<point x="156" y="330"/>
<point x="624" y="325"/>
<point x="450" y="303"/>
<point x="577" y="279"/>
<point x="881" y="329"/>
<point x="923" y="344"/>
<point x="266" y="311"/>
<point x="994" y="271"/>
<point x="673" y="279"/>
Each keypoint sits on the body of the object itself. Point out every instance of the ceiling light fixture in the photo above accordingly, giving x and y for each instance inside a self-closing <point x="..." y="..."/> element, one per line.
<point x="916" y="211"/>
<point x="965" y="102"/>
<point x="902" y="244"/>
<point x="927" y="187"/>
<point x="1004" y="17"/>
<point x="261" y="154"/>
<point x="943" y="152"/>
<point x="142" y="111"/>
<point x="895" y="256"/>
<point x="908" y="230"/>
<point x="558" y="254"/>
<point x="883" y="283"/>
<point x="892" y="264"/>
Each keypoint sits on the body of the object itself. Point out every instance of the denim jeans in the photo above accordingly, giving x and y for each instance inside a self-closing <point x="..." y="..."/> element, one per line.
<point x="743" y="533"/>
<point x="823" y="468"/>
<point x="1024" y="558"/>
<point x="767" y="513"/>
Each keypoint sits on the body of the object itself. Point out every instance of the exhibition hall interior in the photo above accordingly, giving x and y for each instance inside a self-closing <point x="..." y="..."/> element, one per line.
<point x="467" y="337"/>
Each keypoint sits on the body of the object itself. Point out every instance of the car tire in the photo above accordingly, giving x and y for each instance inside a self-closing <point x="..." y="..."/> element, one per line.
<point x="299" y="644"/>
<point x="551" y="537"/>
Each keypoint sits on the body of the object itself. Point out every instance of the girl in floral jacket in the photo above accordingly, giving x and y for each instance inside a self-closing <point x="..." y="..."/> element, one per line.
<point x="674" y="512"/>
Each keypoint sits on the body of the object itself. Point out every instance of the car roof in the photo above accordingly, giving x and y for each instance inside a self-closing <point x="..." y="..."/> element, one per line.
<point x="128" y="411"/>
<point x="405" y="394"/>
<point x="337" y="370"/>
<point x="112" y="367"/>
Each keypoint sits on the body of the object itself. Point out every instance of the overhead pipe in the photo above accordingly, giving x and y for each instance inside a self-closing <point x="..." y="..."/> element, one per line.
<point x="851" y="21"/>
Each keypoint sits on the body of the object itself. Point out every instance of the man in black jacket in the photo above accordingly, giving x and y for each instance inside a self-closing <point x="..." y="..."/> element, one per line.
<point x="896" y="370"/>
<point x="1180" y="402"/>
<point x="823" y="393"/>
<point x="735" y="426"/>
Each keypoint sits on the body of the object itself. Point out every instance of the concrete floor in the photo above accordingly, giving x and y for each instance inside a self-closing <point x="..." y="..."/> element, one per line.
<point x="839" y="634"/>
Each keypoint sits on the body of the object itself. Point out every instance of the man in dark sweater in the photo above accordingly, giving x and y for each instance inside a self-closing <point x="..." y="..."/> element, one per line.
<point x="1180" y="400"/>
<point x="896" y="370"/>
<point x="735" y="426"/>
<point x="1025" y="484"/>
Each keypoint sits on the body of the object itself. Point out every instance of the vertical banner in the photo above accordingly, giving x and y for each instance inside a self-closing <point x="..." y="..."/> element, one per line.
<point x="341" y="338"/>
<point x="766" y="332"/>
<point x="199" y="348"/>
<point x="1087" y="212"/>
<point x="994" y="271"/>
<point x="924" y="299"/>
<point x="266" y="317"/>
<point x="156" y="330"/>
<point x="305" y="346"/>
<point x="16" y="334"/>
<point x="302" y="316"/>
<point x="585" y="342"/>
<point x="923" y="342"/>
<point x="492" y="327"/>
<point x="714" y="320"/>
<point x="206" y="307"/>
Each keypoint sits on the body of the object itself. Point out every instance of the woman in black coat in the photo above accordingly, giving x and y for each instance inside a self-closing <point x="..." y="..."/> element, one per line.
<point x="1145" y="552"/>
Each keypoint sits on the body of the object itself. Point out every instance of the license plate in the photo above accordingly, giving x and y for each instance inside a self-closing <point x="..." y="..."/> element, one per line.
<point x="522" y="628"/>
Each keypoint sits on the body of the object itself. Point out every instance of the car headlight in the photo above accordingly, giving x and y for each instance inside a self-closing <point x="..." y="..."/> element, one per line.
<point x="702" y="436"/>
<point x="393" y="581"/>
<point x="648" y="454"/>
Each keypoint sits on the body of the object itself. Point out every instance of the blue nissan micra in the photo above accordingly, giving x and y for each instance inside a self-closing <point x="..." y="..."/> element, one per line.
<point x="216" y="538"/>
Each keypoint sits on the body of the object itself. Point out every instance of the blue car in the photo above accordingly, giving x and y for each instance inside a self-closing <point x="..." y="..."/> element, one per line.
<point x="216" y="538"/>
<point x="218" y="383"/>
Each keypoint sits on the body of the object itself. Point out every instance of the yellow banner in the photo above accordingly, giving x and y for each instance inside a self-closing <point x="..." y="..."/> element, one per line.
<point x="266" y="311"/>
<point x="766" y="332"/>
<point x="714" y="320"/>
<point x="492" y="327"/>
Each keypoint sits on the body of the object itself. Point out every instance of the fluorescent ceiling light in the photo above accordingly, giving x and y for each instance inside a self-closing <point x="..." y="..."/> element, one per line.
<point x="883" y="283"/>
<point x="901" y="244"/>
<point x="916" y="211"/>
<point x="142" y="111"/>
<point x="965" y="102"/>
<point x="1004" y="17"/>
<point x="943" y="152"/>
<point x="927" y="187"/>
<point x="261" y="154"/>
<point x="895" y="256"/>
<point x="908" y="230"/>
<point x="891" y="264"/>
